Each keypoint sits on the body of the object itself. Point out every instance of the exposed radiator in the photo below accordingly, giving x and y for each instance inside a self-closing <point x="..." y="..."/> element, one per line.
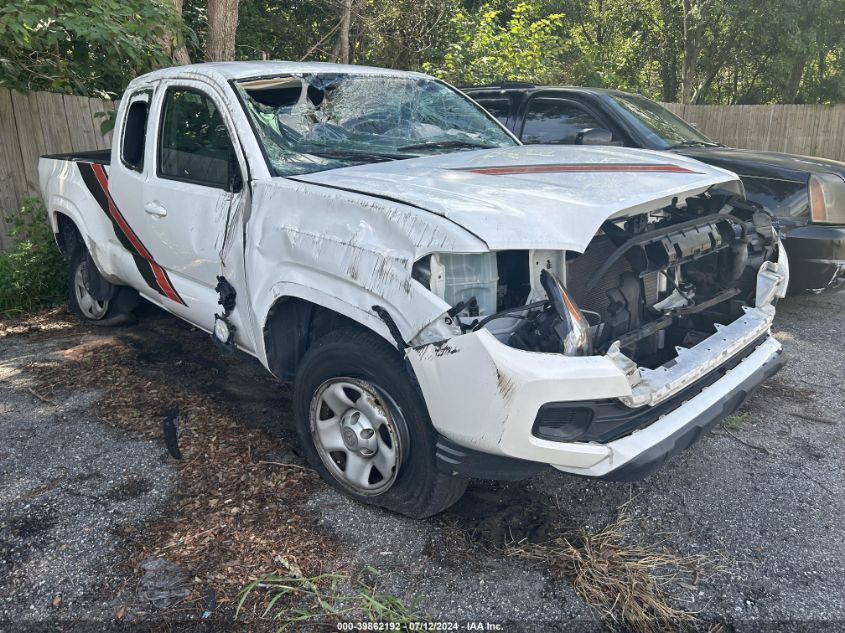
<point x="582" y="267"/>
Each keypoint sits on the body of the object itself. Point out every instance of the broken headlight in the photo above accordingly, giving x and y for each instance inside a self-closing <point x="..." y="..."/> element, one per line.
<point x="459" y="278"/>
<point x="555" y="326"/>
<point x="827" y="199"/>
<point x="573" y="328"/>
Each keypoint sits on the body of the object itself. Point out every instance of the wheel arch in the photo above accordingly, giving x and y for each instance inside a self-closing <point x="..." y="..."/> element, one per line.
<point x="293" y="323"/>
<point x="67" y="234"/>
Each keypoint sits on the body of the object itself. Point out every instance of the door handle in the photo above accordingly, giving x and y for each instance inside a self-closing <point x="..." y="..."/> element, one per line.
<point x="154" y="208"/>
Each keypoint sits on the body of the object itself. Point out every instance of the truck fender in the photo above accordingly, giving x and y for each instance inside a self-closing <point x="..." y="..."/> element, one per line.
<point x="298" y="316"/>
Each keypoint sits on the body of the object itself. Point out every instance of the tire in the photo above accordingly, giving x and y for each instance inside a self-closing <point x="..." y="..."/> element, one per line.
<point x="384" y="425"/>
<point x="118" y="310"/>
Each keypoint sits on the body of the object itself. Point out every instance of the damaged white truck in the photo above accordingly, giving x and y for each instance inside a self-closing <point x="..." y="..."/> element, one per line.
<point x="448" y="303"/>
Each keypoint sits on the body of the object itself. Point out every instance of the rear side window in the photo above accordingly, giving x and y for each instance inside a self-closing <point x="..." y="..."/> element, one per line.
<point x="555" y="121"/>
<point x="194" y="144"/>
<point x="499" y="108"/>
<point x="134" y="135"/>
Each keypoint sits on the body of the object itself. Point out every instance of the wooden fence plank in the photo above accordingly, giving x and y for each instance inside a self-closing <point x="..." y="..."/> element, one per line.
<point x="10" y="148"/>
<point x="12" y="183"/>
<point x="80" y="124"/>
<point x="54" y="122"/>
<point x="30" y="137"/>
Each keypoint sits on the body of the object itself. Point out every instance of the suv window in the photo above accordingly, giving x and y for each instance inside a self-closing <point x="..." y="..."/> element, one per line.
<point x="135" y="133"/>
<point x="555" y="121"/>
<point x="499" y="108"/>
<point x="194" y="144"/>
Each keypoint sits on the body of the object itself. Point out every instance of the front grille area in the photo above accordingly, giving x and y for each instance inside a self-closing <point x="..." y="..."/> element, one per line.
<point x="580" y="269"/>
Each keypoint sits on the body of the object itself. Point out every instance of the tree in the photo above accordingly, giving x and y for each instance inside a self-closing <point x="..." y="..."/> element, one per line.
<point x="222" y="28"/>
<point x="490" y="44"/>
<point x="179" y="52"/>
<point x="82" y="46"/>
<point x="343" y="35"/>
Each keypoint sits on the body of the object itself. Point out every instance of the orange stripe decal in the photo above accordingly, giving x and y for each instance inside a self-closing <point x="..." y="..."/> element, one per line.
<point x="160" y="274"/>
<point x="587" y="167"/>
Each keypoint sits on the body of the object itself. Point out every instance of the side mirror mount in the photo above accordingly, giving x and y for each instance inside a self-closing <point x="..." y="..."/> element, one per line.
<point x="594" y="136"/>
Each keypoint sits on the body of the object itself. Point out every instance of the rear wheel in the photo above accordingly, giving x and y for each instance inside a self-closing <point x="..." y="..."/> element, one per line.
<point x="365" y="428"/>
<point x="117" y="309"/>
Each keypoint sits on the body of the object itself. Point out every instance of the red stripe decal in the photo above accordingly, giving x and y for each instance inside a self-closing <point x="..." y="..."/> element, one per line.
<point x="592" y="167"/>
<point x="159" y="272"/>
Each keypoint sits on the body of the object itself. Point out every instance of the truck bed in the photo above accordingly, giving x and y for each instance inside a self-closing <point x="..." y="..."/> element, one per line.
<point x="98" y="156"/>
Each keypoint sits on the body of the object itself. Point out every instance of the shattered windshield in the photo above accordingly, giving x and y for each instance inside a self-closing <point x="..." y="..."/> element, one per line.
<point x="314" y="122"/>
<point x="656" y="123"/>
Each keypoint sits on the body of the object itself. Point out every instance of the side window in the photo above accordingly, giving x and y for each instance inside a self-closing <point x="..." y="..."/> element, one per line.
<point x="555" y="121"/>
<point x="134" y="135"/>
<point x="499" y="108"/>
<point x="194" y="144"/>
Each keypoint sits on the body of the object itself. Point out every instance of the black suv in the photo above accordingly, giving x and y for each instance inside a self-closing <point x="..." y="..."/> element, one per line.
<point x="807" y="194"/>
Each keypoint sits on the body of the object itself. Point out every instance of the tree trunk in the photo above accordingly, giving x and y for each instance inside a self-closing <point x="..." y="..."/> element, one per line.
<point x="178" y="52"/>
<point x="222" y="26"/>
<point x="690" y="54"/>
<point x="668" y="53"/>
<point x="345" y="24"/>
<point x="793" y="82"/>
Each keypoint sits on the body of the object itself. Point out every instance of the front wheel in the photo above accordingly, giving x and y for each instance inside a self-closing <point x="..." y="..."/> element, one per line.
<point x="365" y="428"/>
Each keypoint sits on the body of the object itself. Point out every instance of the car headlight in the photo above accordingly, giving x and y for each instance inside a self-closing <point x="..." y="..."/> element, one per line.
<point x="827" y="199"/>
<point x="574" y="331"/>
<point x="458" y="278"/>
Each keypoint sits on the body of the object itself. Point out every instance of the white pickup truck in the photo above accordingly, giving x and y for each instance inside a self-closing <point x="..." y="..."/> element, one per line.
<point x="448" y="303"/>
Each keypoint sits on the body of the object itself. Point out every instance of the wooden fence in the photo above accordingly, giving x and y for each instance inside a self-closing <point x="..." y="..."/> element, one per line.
<point x="809" y="130"/>
<point x="36" y="123"/>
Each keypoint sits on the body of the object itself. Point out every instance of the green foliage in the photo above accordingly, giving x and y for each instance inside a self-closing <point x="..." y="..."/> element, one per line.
<point x="82" y="46"/>
<point x="296" y="600"/>
<point x="702" y="51"/>
<point x="107" y="120"/>
<point x="736" y="421"/>
<point x="490" y="44"/>
<point x="33" y="273"/>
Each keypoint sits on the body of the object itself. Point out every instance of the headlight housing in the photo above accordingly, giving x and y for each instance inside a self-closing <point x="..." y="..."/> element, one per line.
<point x="456" y="278"/>
<point x="827" y="199"/>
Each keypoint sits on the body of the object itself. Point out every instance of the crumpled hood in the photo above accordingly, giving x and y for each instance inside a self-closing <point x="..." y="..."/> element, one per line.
<point x="533" y="196"/>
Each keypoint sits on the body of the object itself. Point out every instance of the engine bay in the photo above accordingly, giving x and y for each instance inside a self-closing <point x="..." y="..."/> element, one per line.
<point x="652" y="282"/>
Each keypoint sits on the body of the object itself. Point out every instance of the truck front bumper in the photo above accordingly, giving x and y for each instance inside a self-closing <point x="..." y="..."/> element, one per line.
<point x="484" y="399"/>
<point x="503" y="413"/>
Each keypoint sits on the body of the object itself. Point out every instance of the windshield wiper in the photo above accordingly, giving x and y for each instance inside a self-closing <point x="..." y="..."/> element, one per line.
<point x="351" y="154"/>
<point x="443" y="145"/>
<point x="693" y="144"/>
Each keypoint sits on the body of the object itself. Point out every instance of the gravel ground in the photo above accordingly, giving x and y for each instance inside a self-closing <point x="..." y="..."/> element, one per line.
<point x="72" y="491"/>
<point x="764" y="495"/>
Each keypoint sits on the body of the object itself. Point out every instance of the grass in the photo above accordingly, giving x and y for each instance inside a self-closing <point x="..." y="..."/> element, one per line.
<point x="294" y="599"/>
<point x="628" y="585"/>
<point x="736" y="421"/>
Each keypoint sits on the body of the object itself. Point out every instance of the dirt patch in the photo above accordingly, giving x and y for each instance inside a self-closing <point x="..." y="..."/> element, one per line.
<point x="45" y="324"/>
<point x="236" y="508"/>
<point x="133" y="487"/>
<point x="494" y="514"/>
<point x="794" y="394"/>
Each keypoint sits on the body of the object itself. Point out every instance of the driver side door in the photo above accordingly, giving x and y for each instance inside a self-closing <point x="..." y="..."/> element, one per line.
<point x="192" y="190"/>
